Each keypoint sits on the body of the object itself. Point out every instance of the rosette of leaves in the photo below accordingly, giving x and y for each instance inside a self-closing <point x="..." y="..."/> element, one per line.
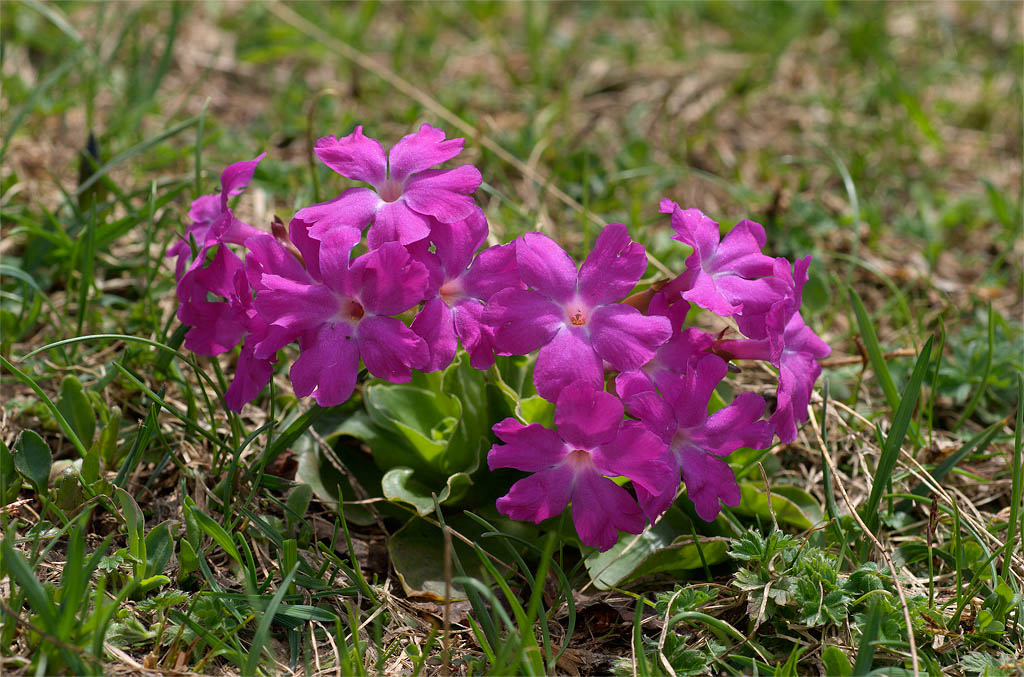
<point x="425" y="437"/>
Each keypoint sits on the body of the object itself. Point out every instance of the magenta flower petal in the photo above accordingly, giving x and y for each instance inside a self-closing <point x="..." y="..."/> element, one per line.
<point x="217" y="328"/>
<point x="294" y="305"/>
<point x="421" y="150"/>
<point x="613" y="267"/>
<point x="271" y="340"/>
<point x="705" y="293"/>
<point x="335" y="255"/>
<point x="529" y="448"/>
<point x="737" y="425"/>
<point x="493" y="269"/>
<point x="355" y="208"/>
<point x="626" y="337"/>
<point x="654" y="504"/>
<point x="327" y="365"/>
<point x="251" y="376"/>
<point x="455" y="243"/>
<point x="655" y="413"/>
<point x="797" y="375"/>
<point x="636" y="453"/>
<point x="587" y="417"/>
<point x="545" y="267"/>
<point x="267" y="254"/>
<point x="436" y="326"/>
<point x="695" y="388"/>
<point x="354" y="156"/>
<point x="740" y="251"/>
<point x="237" y="176"/>
<point x="540" y="496"/>
<point x="691" y="225"/>
<point x="395" y="222"/>
<point x="309" y="247"/>
<point x="476" y="336"/>
<point x="629" y="384"/>
<point x="236" y="231"/>
<point x="708" y="480"/>
<point x="390" y="279"/>
<point x="443" y="193"/>
<point x="601" y="508"/>
<point x="568" y="357"/>
<point x="205" y="210"/>
<point x="389" y="348"/>
<point x="523" y="320"/>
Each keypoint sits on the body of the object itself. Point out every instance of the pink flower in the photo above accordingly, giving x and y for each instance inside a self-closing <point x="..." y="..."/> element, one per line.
<point x="722" y="275"/>
<point x="407" y="196"/>
<point x="213" y="221"/>
<point x="455" y="311"/>
<point x="788" y="343"/>
<point x="345" y="315"/>
<point x="570" y="464"/>
<point x="573" y="317"/>
<point x="217" y="326"/>
<point x="696" y="442"/>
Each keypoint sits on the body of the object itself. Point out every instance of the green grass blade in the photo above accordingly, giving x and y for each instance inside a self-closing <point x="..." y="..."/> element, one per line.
<point x="897" y="433"/>
<point x="866" y="648"/>
<point x="49" y="404"/>
<point x="976" y="445"/>
<point x="38" y="599"/>
<point x="263" y="629"/>
<point x="1017" y="484"/>
<point x="132" y="152"/>
<point x="874" y="350"/>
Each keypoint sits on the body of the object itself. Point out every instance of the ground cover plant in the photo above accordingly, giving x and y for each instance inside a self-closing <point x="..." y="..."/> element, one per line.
<point x="196" y="478"/>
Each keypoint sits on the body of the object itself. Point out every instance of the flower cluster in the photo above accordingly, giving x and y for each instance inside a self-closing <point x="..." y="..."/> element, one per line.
<point x="420" y="283"/>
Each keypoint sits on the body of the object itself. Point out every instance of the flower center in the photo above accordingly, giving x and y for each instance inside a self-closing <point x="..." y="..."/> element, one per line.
<point x="451" y="291"/>
<point x="578" y="459"/>
<point x="577" y="314"/>
<point x="351" y="310"/>
<point x="390" y="191"/>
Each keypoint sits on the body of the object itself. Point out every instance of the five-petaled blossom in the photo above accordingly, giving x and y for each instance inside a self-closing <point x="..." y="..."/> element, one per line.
<point x="346" y="315"/>
<point x="572" y="464"/>
<point x="407" y="196"/>
<point x="574" y="317"/>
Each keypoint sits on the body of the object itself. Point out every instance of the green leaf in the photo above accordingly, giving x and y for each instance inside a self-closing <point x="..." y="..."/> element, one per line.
<point x="870" y="630"/>
<point x="897" y="433"/>
<point x="37" y="596"/>
<point x="136" y="524"/>
<point x="159" y="547"/>
<point x="874" y="350"/>
<point x="74" y="405"/>
<point x="438" y="424"/>
<point x="536" y="409"/>
<point x="188" y="561"/>
<point x="836" y="662"/>
<point x="106" y="445"/>
<point x="325" y="478"/>
<point x="10" y="481"/>
<point x="298" y="502"/>
<point x="400" y="484"/>
<point x="33" y="459"/>
<point x="417" y="553"/>
<point x="217" y="533"/>
<point x="303" y="612"/>
<point x="754" y="503"/>
<point x="667" y="547"/>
